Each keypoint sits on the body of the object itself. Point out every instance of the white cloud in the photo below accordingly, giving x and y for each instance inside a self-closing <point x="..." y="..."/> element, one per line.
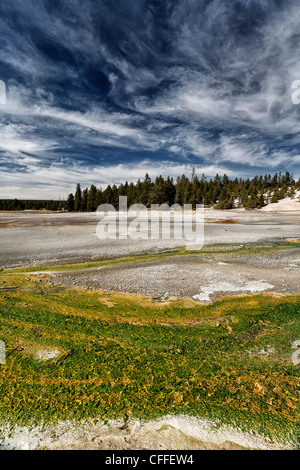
<point x="15" y="139"/>
<point x="195" y="87"/>
<point x="57" y="181"/>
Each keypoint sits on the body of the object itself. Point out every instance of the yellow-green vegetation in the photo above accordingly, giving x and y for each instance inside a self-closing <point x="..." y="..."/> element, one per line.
<point x="78" y="354"/>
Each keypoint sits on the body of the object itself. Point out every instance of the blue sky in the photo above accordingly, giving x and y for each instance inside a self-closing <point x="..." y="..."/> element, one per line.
<point x="104" y="91"/>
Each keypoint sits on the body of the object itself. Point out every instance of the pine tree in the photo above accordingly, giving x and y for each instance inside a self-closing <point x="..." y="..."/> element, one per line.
<point x="70" y="203"/>
<point x="85" y="193"/>
<point x="145" y="190"/>
<point x="170" y="191"/>
<point x="99" y="198"/>
<point x="78" y="198"/>
<point x="158" y="193"/>
<point x="107" y="195"/>
<point x="91" y="199"/>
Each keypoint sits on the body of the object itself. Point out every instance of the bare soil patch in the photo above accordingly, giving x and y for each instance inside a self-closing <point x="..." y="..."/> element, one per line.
<point x="202" y="277"/>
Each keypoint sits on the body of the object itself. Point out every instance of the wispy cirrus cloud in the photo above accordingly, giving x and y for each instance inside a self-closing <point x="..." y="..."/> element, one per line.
<point x="95" y="91"/>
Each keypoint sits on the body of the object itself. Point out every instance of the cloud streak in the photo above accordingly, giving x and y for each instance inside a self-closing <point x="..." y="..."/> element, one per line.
<point x="95" y="91"/>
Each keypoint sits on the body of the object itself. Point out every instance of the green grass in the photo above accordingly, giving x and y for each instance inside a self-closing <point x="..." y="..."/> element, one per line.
<point x="122" y="357"/>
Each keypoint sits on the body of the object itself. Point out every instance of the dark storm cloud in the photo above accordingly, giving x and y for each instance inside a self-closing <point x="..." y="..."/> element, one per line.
<point x="112" y="89"/>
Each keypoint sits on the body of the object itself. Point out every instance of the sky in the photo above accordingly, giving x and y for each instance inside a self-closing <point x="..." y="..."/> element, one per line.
<point x="104" y="91"/>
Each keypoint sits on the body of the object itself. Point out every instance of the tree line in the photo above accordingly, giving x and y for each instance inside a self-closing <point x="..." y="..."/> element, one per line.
<point x="35" y="205"/>
<point x="219" y="192"/>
